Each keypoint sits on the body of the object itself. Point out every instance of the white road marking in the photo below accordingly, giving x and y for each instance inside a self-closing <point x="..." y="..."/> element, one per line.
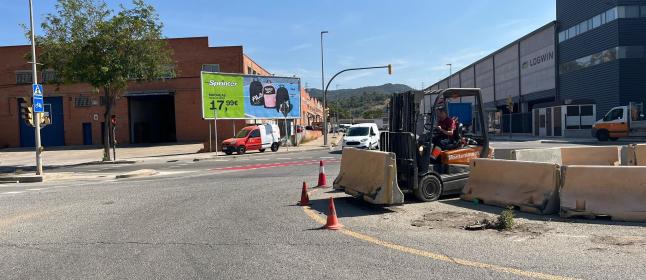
<point x="327" y="157"/>
<point x="36" y="189"/>
<point x="284" y="158"/>
<point x="16" y="192"/>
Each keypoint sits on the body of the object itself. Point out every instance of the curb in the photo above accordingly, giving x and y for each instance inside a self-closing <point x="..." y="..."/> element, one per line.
<point x="137" y="173"/>
<point x="21" y="179"/>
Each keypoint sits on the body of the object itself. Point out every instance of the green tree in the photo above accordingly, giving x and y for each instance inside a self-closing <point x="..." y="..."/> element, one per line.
<point x="86" y="42"/>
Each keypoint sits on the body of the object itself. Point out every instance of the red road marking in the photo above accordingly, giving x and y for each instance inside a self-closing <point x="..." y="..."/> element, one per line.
<point x="270" y="165"/>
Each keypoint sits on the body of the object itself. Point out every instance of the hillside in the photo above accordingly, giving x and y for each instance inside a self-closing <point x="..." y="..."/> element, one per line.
<point x="365" y="102"/>
<point x="347" y="93"/>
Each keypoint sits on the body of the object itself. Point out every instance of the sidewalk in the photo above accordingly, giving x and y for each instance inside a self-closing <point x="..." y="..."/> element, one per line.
<point x="15" y="159"/>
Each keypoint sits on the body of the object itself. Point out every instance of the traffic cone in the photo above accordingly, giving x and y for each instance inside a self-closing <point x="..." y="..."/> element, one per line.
<point x="322" y="179"/>
<point x="332" y="221"/>
<point x="305" y="198"/>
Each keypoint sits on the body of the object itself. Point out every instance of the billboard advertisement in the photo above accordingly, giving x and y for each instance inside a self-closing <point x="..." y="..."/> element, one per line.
<point x="236" y="96"/>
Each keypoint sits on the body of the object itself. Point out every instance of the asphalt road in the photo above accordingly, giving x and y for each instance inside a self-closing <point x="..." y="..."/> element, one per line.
<point x="237" y="219"/>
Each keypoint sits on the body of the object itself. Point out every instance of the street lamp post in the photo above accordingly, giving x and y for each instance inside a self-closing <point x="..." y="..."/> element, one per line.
<point x="324" y="95"/>
<point x="450" y="72"/>
<point x="39" y="159"/>
<point x="389" y="67"/>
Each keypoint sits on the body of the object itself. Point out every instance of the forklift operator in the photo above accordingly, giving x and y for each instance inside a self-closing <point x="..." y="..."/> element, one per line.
<point x="446" y="127"/>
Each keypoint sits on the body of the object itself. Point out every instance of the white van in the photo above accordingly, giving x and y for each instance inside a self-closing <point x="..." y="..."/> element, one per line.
<point x="363" y="136"/>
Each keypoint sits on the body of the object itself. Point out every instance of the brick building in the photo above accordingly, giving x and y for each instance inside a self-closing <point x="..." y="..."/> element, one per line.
<point x="167" y="110"/>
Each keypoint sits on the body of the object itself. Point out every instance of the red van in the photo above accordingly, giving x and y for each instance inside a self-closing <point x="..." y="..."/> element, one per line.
<point x="251" y="138"/>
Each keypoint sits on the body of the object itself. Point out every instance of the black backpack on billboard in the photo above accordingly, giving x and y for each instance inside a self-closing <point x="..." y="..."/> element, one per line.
<point x="255" y="93"/>
<point x="282" y="100"/>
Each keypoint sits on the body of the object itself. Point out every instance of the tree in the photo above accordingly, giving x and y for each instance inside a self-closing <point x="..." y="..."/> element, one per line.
<point x="85" y="42"/>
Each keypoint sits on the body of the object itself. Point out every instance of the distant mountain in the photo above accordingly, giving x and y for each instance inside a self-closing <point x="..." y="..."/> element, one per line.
<point x="365" y="102"/>
<point x="347" y="93"/>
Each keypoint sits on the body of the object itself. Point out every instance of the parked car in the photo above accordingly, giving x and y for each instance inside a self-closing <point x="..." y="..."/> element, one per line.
<point x="255" y="137"/>
<point x="363" y="136"/>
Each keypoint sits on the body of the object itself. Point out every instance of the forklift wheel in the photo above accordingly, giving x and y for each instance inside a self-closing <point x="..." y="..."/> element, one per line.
<point x="429" y="189"/>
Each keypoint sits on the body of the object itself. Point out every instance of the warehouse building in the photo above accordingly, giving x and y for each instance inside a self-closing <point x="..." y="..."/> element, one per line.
<point x="565" y="75"/>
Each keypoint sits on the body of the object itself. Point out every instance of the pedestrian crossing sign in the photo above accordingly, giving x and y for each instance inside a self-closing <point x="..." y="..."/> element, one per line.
<point x="38" y="90"/>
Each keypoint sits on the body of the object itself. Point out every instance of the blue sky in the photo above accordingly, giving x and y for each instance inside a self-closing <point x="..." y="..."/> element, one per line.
<point x="417" y="37"/>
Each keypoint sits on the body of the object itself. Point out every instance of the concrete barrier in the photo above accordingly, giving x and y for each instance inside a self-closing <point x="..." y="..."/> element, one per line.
<point x="640" y="154"/>
<point x="618" y="192"/>
<point x="550" y="155"/>
<point x="584" y="155"/>
<point x="369" y="175"/>
<point x="530" y="186"/>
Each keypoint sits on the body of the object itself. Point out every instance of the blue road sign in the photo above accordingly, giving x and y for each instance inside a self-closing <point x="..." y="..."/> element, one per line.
<point x="39" y="105"/>
<point x="38" y="90"/>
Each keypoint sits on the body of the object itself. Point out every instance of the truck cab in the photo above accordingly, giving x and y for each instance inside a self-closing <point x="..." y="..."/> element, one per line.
<point x="252" y="138"/>
<point x="621" y="122"/>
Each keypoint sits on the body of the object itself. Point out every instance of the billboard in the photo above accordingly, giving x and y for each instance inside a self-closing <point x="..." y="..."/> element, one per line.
<point x="237" y="96"/>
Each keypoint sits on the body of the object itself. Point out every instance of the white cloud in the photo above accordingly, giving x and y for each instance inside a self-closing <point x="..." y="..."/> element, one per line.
<point x="299" y="47"/>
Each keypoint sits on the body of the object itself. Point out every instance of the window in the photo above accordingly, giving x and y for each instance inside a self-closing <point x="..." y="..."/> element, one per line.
<point x="249" y="70"/>
<point x="572" y="32"/>
<point x="643" y="11"/>
<point x="49" y="76"/>
<point x="24" y="77"/>
<point x="608" y="55"/>
<point x="611" y="14"/>
<point x="255" y="133"/>
<point x="616" y="114"/>
<point x="587" y="110"/>
<point x="211" y="67"/>
<point x="596" y="21"/>
<point x="572" y="111"/>
<point x="631" y="52"/>
<point x="583" y="27"/>
<point x="82" y="101"/>
<point x="561" y="36"/>
<point x="628" y="12"/>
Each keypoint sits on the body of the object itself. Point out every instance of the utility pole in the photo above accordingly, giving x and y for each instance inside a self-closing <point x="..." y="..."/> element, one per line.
<point x="39" y="159"/>
<point x="325" y="130"/>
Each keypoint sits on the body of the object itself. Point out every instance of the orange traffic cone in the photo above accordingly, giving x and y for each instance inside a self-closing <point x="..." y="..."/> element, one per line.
<point x="332" y="221"/>
<point x="305" y="198"/>
<point x="322" y="179"/>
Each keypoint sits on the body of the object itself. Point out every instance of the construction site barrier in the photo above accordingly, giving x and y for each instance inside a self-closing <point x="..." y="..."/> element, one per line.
<point x="640" y="154"/>
<point x="584" y="155"/>
<point x="550" y="155"/>
<point x="617" y="192"/>
<point x="530" y="186"/>
<point x="369" y="175"/>
<point x="606" y="155"/>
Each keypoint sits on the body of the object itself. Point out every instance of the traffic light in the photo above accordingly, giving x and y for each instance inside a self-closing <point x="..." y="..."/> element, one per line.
<point x="510" y="104"/>
<point x="113" y="120"/>
<point x="390" y="69"/>
<point x="27" y="111"/>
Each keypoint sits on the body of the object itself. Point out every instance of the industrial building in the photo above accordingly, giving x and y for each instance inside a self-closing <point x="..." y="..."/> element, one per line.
<point x="567" y="74"/>
<point x="166" y="110"/>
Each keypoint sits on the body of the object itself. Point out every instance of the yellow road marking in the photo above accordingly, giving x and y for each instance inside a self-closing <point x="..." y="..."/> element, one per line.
<point x="428" y="254"/>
